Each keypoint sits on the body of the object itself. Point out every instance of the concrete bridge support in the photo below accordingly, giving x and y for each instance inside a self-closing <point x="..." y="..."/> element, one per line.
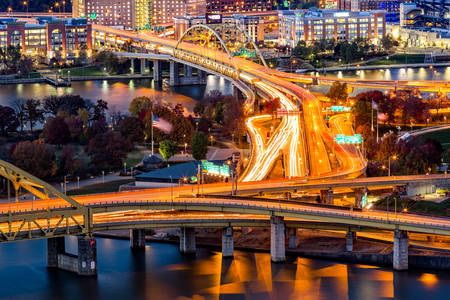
<point x="174" y="78"/>
<point x="187" y="71"/>
<point x="400" y="255"/>
<point x="277" y="239"/>
<point x="187" y="240"/>
<point x="55" y="246"/>
<point x="201" y="76"/>
<point x="85" y="263"/>
<point x="132" y="66"/>
<point x="157" y="71"/>
<point x="350" y="239"/>
<point x="413" y="189"/>
<point x="327" y="196"/>
<point x="87" y="256"/>
<point x="137" y="238"/>
<point x="227" y="242"/>
<point x="292" y="238"/>
<point x="143" y="66"/>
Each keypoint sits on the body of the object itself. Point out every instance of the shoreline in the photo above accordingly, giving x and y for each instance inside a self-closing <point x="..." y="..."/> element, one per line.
<point x="372" y="67"/>
<point x="330" y="247"/>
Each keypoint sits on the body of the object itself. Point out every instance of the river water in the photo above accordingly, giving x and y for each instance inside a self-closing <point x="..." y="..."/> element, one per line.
<point x="160" y="272"/>
<point x="118" y="93"/>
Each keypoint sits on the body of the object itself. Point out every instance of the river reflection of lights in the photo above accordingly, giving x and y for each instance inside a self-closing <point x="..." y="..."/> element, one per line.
<point x="429" y="280"/>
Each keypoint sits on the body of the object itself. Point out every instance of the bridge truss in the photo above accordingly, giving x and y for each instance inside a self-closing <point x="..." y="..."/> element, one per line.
<point x="215" y="46"/>
<point x="60" y="216"/>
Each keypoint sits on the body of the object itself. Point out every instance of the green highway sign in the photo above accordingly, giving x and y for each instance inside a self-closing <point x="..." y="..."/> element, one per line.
<point x="340" y="108"/>
<point x="352" y="139"/>
<point x="364" y="200"/>
<point x="213" y="169"/>
<point x="93" y="15"/>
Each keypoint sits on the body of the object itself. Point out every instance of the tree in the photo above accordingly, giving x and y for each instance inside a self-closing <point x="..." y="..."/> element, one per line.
<point x="167" y="148"/>
<point x="138" y="104"/>
<point x="199" y="108"/>
<point x="8" y="120"/>
<point x="178" y="110"/>
<point x="84" y="116"/>
<point x="35" y="157"/>
<point x="68" y="103"/>
<point x="100" y="110"/>
<point x="33" y="112"/>
<point x="219" y="113"/>
<point x="13" y="55"/>
<point x="199" y="145"/>
<point x="338" y="92"/>
<point x="132" y="129"/>
<point x="56" y="131"/>
<point x="234" y="118"/>
<point x="67" y="162"/>
<point x="107" y="150"/>
<point x="387" y="42"/>
<point x="25" y="65"/>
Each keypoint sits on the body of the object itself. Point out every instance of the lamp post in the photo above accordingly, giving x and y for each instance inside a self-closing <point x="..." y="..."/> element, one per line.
<point x="185" y="148"/>
<point x="103" y="176"/>
<point x="394" y="157"/>
<point x="171" y="190"/>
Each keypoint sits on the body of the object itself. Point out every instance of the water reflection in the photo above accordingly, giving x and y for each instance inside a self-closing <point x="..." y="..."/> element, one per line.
<point x="118" y="93"/>
<point x="160" y="272"/>
<point x="438" y="73"/>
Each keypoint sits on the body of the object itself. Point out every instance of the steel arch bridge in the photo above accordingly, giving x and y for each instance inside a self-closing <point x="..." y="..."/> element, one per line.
<point x="69" y="217"/>
<point x="219" y="44"/>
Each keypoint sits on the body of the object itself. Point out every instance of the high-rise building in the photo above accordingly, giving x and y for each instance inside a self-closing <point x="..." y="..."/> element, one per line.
<point x="108" y="12"/>
<point x="165" y="10"/>
<point x="314" y="25"/>
<point x="237" y="6"/>
<point x="195" y="8"/>
<point x="391" y="7"/>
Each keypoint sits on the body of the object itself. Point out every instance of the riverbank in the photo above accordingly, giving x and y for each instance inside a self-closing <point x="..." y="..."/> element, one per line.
<point x="373" y="67"/>
<point x="310" y="244"/>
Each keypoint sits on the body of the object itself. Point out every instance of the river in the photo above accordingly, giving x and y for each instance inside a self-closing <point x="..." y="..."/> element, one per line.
<point x="118" y="93"/>
<point x="161" y="272"/>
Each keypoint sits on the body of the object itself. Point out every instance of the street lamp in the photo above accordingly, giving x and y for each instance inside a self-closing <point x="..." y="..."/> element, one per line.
<point x="103" y="176"/>
<point x="185" y="147"/>
<point x="394" y="157"/>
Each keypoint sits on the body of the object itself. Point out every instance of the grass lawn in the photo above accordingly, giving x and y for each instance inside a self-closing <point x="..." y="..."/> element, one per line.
<point x="134" y="158"/>
<point x="107" y="187"/>
<point x="399" y="59"/>
<point x="31" y="75"/>
<point x="84" y="71"/>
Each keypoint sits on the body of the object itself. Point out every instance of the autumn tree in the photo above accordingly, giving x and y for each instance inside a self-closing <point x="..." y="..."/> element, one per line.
<point x="139" y="104"/>
<point x="106" y="150"/>
<point x="56" y="131"/>
<point x="132" y="129"/>
<point x="338" y="92"/>
<point x="35" y="158"/>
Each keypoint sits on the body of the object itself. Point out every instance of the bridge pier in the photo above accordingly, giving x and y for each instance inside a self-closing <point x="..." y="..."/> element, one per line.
<point x="227" y="242"/>
<point x="187" y="71"/>
<point x="327" y="196"/>
<point x="400" y="255"/>
<point x="174" y="78"/>
<point x="187" y="240"/>
<point x="131" y="66"/>
<point x="350" y="238"/>
<point x="201" y="76"/>
<point x="414" y="189"/>
<point x="143" y="66"/>
<point x="85" y="263"/>
<point x="277" y="239"/>
<point x="55" y="246"/>
<point x="137" y="238"/>
<point x="157" y="70"/>
<point x="292" y="238"/>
